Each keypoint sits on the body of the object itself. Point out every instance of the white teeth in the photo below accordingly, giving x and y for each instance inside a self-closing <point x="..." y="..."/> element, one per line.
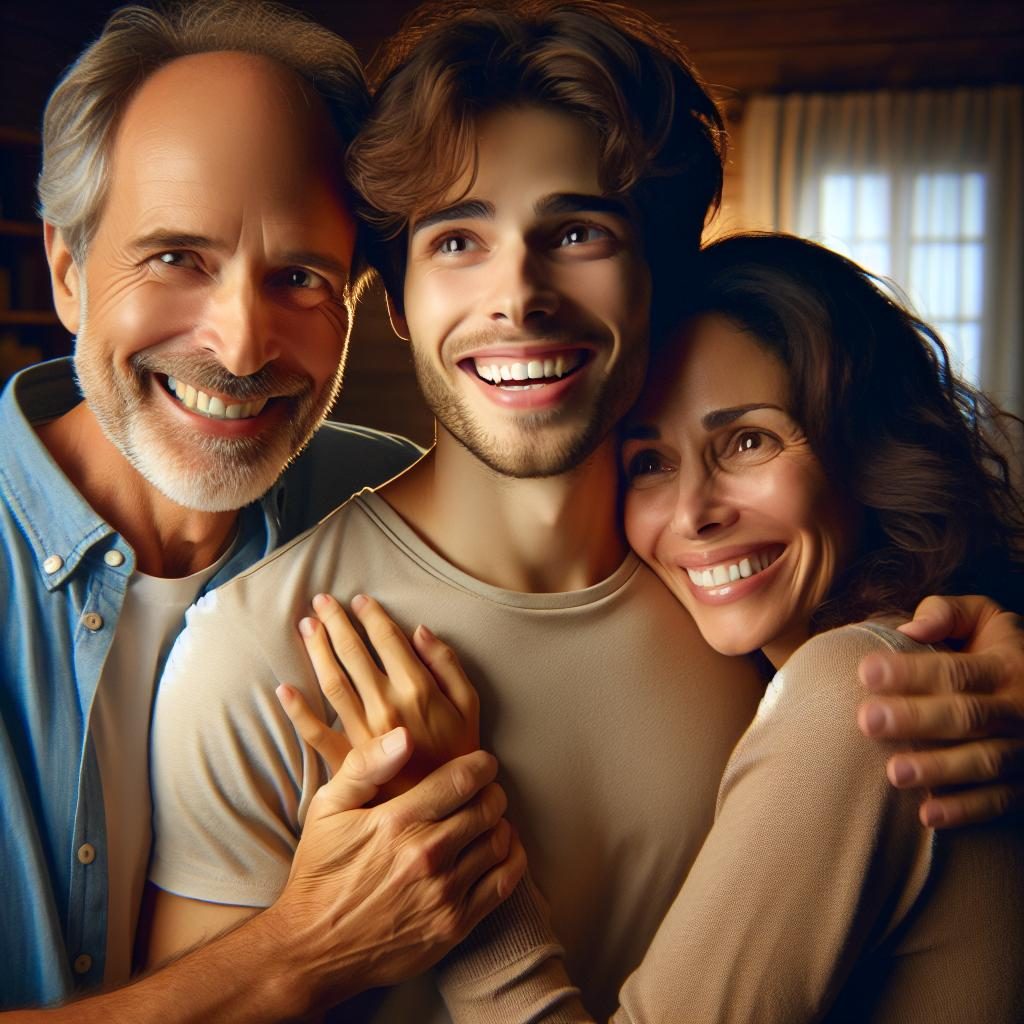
<point x="719" y="575"/>
<point x="210" y="405"/>
<point x="534" y="369"/>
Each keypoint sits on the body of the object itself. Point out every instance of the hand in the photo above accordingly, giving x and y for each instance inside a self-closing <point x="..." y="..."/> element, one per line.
<point x="422" y="688"/>
<point x="378" y="895"/>
<point x="974" y="698"/>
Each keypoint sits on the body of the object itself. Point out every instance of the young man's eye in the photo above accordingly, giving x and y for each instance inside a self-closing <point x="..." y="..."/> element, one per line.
<point x="580" y="234"/>
<point x="452" y="245"/>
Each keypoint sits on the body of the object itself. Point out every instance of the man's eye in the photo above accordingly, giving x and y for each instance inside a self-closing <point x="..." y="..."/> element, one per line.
<point x="580" y="234"/>
<point x="451" y="245"/>
<point x="299" y="277"/>
<point x="183" y="260"/>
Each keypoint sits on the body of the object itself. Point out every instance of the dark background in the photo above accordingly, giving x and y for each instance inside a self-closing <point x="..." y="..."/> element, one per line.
<point x="741" y="46"/>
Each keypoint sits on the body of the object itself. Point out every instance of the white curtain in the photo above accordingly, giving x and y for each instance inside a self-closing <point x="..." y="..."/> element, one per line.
<point x="920" y="187"/>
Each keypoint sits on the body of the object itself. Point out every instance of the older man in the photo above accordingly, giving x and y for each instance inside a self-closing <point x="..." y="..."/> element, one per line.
<point x="202" y="249"/>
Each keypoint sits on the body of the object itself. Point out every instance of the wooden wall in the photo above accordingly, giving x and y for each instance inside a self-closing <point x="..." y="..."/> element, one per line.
<point x="741" y="46"/>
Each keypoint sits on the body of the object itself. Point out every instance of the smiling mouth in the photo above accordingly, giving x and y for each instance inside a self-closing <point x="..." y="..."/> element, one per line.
<point x="211" y="406"/>
<point x="527" y="374"/>
<point x="730" y="572"/>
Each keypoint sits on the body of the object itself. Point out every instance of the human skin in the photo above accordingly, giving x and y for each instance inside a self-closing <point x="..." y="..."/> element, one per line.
<point x="726" y="500"/>
<point x="239" y="261"/>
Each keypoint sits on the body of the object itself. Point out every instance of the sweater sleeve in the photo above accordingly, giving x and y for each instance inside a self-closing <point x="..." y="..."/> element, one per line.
<point x="812" y="861"/>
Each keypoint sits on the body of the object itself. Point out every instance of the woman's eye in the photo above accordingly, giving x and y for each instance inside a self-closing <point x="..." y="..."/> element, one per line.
<point x="643" y="464"/>
<point x="752" y="446"/>
<point x="580" y="234"/>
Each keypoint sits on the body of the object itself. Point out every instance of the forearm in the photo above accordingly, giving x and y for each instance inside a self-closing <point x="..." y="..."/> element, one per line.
<point x="260" y="972"/>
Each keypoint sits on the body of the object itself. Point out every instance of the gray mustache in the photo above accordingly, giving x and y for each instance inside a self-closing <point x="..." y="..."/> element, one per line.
<point x="208" y="375"/>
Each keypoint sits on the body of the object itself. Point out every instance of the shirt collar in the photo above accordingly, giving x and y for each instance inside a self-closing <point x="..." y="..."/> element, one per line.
<point x="58" y="522"/>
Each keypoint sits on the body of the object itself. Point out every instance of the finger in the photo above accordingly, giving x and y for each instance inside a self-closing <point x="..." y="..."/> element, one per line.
<point x="960" y="765"/>
<point x="481" y="855"/>
<point x="445" y="790"/>
<point x="334" y="681"/>
<point x="953" y="717"/>
<point x="931" y="672"/>
<point x="447" y="670"/>
<point x="403" y="666"/>
<point x="330" y="744"/>
<point x="972" y="806"/>
<point x="366" y="768"/>
<point x="354" y="657"/>
<point x="943" y="618"/>
<point x="496" y="885"/>
<point x="455" y="833"/>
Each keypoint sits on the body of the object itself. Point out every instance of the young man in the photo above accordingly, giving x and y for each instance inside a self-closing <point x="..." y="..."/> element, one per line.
<point x="538" y="170"/>
<point x="202" y="249"/>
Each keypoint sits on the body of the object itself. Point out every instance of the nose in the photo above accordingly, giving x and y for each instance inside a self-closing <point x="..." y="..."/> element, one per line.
<point x="239" y="329"/>
<point x="702" y="506"/>
<point x="523" y="294"/>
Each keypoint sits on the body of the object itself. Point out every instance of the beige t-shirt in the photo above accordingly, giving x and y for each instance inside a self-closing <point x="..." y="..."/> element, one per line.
<point x="611" y="718"/>
<point x="817" y="896"/>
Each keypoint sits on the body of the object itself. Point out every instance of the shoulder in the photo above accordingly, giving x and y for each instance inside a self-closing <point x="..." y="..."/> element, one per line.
<point x="825" y="667"/>
<point x="340" y="460"/>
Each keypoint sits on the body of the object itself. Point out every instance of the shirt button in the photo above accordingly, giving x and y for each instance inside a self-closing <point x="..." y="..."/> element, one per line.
<point x="83" y="964"/>
<point x="113" y="558"/>
<point x="53" y="564"/>
<point x="92" y="621"/>
<point x="86" y="853"/>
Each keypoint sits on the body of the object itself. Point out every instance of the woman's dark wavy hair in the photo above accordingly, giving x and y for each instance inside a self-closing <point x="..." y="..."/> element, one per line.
<point x="917" y="448"/>
<point x="662" y="137"/>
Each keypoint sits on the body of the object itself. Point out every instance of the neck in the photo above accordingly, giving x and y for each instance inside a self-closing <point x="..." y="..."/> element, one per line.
<point x="168" y="540"/>
<point x="546" y="535"/>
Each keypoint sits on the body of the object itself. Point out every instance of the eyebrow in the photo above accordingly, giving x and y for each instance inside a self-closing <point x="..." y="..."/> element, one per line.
<point x="163" y="239"/>
<point x="177" y="240"/>
<point x="710" y="421"/>
<point x="559" y="202"/>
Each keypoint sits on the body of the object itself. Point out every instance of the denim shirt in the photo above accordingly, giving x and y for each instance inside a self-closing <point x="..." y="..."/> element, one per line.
<point x="65" y="574"/>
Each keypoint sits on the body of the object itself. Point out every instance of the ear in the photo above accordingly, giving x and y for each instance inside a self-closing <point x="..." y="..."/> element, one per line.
<point x="64" y="278"/>
<point x="397" y="318"/>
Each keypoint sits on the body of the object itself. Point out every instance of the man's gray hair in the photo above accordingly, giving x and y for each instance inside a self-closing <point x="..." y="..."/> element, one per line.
<point x="84" y="111"/>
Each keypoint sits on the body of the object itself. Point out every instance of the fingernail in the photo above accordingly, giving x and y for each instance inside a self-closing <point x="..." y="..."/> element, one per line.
<point x="424" y="632"/>
<point x="934" y="815"/>
<point x="358" y="601"/>
<point x="321" y="601"/>
<point x="307" y="627"/>
<point x="903" y="773"/>
<point x="915" y="626"/>
<point x="393" y="741"/>
<point x="876" y="719"/>
<point x="874" y="673"/>
<point x="284" y="693"/>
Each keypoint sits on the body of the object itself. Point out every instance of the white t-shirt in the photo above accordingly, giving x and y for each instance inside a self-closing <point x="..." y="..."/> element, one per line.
<point x="150" y="619"/>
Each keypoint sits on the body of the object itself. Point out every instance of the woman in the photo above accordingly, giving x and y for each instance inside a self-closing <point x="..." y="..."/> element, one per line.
<point x="801" y="470"/>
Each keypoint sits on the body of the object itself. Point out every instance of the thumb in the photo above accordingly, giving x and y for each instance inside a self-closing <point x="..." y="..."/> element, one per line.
<point x="366" y="768"/>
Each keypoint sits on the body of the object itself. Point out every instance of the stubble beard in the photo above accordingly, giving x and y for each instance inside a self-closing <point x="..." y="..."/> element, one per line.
<point x="195" y="470"/>
<point x="542" y="447"/>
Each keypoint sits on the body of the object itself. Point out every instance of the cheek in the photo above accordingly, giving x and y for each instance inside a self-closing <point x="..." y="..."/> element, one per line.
<point x="646" y="516"/>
